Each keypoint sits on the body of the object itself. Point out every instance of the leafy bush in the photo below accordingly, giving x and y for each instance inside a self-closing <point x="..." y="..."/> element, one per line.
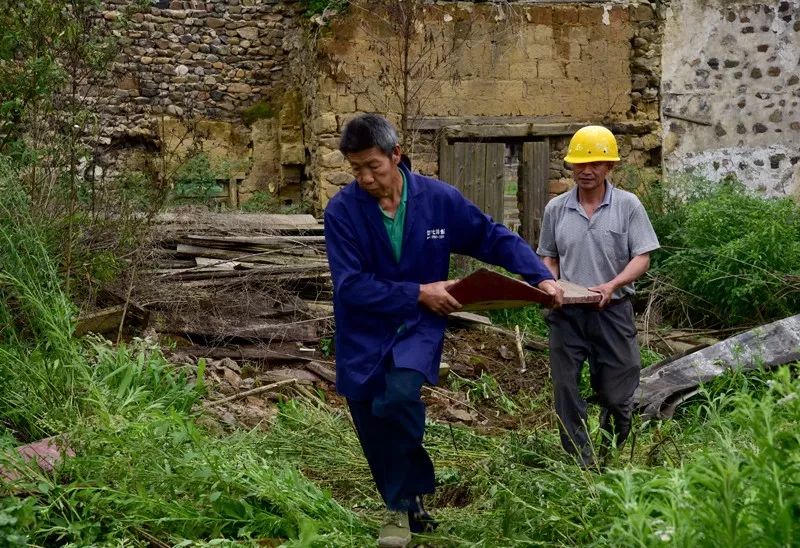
<point x="196" y="181"/>
<point x="16" y="517"/>
<point x="318" y="7"/>
<point x="728" y="257"/>
<point x="266" y="202"/>
<point x="259" y="111"/>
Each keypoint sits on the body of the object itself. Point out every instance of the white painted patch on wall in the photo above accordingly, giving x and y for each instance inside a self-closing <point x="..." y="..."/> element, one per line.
<point x="606" y="12"/>
<point x="766" y="170"/>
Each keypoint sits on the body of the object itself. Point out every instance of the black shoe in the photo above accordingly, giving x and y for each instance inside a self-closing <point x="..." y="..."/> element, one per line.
<point x="419" y="520"/>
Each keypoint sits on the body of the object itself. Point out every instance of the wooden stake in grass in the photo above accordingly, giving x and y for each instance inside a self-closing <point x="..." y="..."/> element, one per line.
<point x="520" y="353"/>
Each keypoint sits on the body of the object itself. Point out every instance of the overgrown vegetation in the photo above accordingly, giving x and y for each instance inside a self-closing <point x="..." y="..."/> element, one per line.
<point x="728" y="257"/>
<point x="259" y="111"/>
<point x="320" y="7"/>
<point x="724" y="473"/>
<point x="197" y="182"/>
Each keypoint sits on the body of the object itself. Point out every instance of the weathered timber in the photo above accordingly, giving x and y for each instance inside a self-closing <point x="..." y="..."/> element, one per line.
<point x="266" y="241"/>
<point x="664" y="386"/>
<point x="469" y="318"/>
<point x="322" y="371"/>
<point x="485" y="127"/>
<point x="535" y="179"/>
<point x="271" y="354"/>
<point x="244" y="222"/>
<point x="252" y="256"/>
<point x="213" y="328"/>
<point x="108" y="319"/>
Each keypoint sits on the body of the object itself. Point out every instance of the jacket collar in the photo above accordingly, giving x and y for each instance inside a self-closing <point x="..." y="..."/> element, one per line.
<point x="371" y="211"/>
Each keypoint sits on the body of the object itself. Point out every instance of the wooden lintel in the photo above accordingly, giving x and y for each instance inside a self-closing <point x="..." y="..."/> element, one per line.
<point x="515" y="127"/>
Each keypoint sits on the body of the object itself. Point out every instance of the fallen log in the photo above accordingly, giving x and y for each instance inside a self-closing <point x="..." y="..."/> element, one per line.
<point x="212" y="329"/>
<point x="666" y="385"/>
<point x="245" y="353"/>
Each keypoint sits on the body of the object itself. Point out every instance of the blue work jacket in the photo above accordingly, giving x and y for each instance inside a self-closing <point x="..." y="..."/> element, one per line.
<point x="374" y="295"/>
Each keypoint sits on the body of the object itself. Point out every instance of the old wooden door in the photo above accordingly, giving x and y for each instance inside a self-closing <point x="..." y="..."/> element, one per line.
<point x="533" y="184"/>
<point x="476" y="169"/>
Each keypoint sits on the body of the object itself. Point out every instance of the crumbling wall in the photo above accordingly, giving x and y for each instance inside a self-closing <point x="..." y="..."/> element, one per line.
<point x="213" y="74"/>
<point x="731" y="87"/>
<point x="560" y="62"/>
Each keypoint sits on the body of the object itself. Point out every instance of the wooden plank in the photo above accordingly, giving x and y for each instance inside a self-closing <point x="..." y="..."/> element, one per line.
<point x="527" y="184"/>
<point x="304" y="332"/>
<point x="265" y="220"/>
<point x="541" y="182"/>
<point x="495" y="183"/>
<point x="459" y="166"/>
<point x="107" y="320"/>
<point x="266" y="241"/>
<point x="488" y="290"/>
<point x="271" y="354"/>
<point x="478" y="174"/>
<point x="534" y="181"/>
<point x="322" y="371"/>
<point x="469" y="318"/>
<point x="446" y="167"/>
<point x="249" y="256"/>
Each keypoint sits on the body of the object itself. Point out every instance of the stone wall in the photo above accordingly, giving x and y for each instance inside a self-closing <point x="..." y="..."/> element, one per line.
<point x="242" y="81"/>
<point x="190" y="75"/>
<point x="731" y="86"/>
<point x="582" y="63"/>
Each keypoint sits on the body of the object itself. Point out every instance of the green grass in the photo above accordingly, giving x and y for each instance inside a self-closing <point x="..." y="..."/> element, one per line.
<point x="150" y="464"/>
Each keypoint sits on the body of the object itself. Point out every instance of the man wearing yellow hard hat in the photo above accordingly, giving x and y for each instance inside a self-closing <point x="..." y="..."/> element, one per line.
<point x="597" y="236"/>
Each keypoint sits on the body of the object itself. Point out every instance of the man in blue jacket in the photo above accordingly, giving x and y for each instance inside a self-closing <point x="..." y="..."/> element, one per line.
<point x="389" y="236"/>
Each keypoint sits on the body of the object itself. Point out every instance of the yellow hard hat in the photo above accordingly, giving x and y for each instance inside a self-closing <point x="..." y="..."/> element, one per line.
<point x="592" y="144"/>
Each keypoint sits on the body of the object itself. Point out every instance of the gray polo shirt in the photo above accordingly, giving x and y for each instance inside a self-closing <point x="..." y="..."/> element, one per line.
<point x="593" y="251"/>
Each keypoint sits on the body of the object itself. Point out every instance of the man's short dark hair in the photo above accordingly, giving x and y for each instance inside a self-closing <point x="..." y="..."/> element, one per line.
<point x="366" y="131"/>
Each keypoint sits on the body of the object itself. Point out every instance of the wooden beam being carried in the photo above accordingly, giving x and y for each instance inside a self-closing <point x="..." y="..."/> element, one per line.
<point x="488" y="290"/>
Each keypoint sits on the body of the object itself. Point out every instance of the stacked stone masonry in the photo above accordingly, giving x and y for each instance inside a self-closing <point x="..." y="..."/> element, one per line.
<point x="188" y="72"/>
<point x="731" y="89"/>
<point x="722" y="74"/>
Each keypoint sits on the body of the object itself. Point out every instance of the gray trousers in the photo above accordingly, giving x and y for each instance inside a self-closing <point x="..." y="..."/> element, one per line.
<point x="607" y="339"/>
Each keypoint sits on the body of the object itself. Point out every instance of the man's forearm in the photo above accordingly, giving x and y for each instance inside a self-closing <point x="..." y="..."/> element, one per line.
<point x="632" y="271"/>
<point x="552" y="265"/>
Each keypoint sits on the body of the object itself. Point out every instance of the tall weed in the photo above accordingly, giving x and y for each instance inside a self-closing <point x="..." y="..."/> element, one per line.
<point x="729" y="257"/>
<point x="44" y="375"/>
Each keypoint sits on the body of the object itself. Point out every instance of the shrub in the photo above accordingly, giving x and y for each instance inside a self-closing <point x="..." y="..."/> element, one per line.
<point x="728" y="257"/>
<point x="196" y="181"/>
<point x="259" y="111"/>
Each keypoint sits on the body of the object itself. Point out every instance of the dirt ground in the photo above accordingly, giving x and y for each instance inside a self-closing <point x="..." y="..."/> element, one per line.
<point x="484" y="388"/>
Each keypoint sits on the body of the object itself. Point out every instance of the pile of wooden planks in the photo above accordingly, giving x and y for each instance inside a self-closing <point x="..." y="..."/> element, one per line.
<point x="266" y="246"/>
<point x="236" y="285"/>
